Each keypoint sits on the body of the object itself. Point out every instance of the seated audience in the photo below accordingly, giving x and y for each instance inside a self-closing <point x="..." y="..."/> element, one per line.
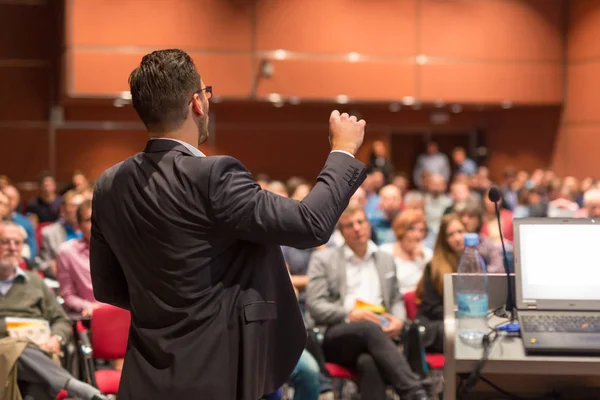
<point x="430" y="299"/>
<point x="390" y="201"/>
<point x="459" y="192"/>
<point x="46" y="206"/>
<point x="355" y="337"/>
<point x="380" y="160"/>
<point x="563" y="206"/>
<point x="79" y="183"/>
<point x="373" y="183"/>
<point x="470" y="213"/>
<point x="14" y="198"/>
<point x="410" y="256"/>
<point x="277" y="187"/>
<point x="463" y="164"/>
<point x="24" y="295"/>
<point x="64" y="229"/>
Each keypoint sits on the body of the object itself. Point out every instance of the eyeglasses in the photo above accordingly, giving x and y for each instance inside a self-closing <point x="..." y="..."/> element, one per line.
<point x="16" y="242"/>
<point x="208" y="90"/>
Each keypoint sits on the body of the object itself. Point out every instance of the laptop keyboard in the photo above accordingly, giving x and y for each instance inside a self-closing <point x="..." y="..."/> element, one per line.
<point x="561" y="323"/>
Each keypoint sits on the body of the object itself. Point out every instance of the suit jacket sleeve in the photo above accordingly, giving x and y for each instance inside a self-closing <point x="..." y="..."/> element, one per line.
<point x="318" y="299"/>
<point x="241" y="208"/>
<point x="398" y="309"/>
<point x="108" y="279"/>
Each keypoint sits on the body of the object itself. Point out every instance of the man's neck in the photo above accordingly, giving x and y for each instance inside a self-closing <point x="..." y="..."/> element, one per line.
<point x="183" y="135"/>
<point x="360" y="251"/>
<point x="7" y="274"/>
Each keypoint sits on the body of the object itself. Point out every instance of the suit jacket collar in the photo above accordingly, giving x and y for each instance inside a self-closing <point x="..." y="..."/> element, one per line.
<point x="372" y="251"/>
<point x="162" y="145"/>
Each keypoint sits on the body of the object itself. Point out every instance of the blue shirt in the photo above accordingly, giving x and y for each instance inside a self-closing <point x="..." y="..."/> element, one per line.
<point x="468" y="167"/>
<point x="23" y="221"/>
<point x="72" y="233"/>
<point x="7" y="284"/>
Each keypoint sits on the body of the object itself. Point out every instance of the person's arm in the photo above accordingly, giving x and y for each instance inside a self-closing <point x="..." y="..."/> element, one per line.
<point x="242" y="209"/>
<point x="432" y="303"/>
<point x="300" y="281"/>
<point x="108" y="279"/>
<point x="322" y="310"/>
<point x="67" y="289"/>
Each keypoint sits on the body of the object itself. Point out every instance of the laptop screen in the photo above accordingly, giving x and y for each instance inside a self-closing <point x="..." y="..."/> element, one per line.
<point x="559" y="261"/>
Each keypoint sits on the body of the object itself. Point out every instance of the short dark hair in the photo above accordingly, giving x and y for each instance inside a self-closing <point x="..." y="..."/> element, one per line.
<point x="86" y="205"/>
<point x="161" y="88"/>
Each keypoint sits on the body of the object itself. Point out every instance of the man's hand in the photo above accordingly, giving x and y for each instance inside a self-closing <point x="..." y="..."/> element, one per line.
<point x="52" y="345"/>
<point x="87" y="312"/>
<point x="357" y="315"/>
<point x="394" y="326"/>
<point x="345" y="132"/>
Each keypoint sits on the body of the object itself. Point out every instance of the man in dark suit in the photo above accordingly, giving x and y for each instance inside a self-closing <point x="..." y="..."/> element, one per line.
<point x="190" y="245"/>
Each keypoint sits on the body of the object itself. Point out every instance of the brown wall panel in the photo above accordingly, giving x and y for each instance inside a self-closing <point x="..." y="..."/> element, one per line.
<point x="492" y="82"/>
<point x="581" y="146"/>
<point x="94" y="151"/>
<point x="191" y="24"/>
<point x="492" y="29"/>
<point x="24" y="32"/>
<point x="584" y="28"/>
<point x="521" y="138"/>
<point x="24" y="153"/>
<point x="382" y="27"/>
<point x="24" y="93"/>
<point x="326" y="79"/>
<point x="583" y="87"/>
<point x="107" y="74"/>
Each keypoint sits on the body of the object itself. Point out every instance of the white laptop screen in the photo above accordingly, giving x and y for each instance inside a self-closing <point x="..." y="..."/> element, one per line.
<point x="560" y="262"/>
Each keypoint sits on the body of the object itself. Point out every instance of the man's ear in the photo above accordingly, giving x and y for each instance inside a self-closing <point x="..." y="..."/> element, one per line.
<point x="197" y="105"/>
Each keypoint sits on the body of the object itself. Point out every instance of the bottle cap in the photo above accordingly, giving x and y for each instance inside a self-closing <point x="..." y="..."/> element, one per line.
<point x="471" y="239"/>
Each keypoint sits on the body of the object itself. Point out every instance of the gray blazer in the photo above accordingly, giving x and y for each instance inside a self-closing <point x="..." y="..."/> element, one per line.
<point x="326" y="287"/>
<point x="53" y="236"/>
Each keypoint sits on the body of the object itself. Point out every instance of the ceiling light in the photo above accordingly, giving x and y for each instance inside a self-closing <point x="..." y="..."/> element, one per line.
<point x="408" y="100"/>
<point x="353" y="57"/>
<point x="274" y="97"/>
<point x="280" y="54"/>
<point x="342" y="99"/>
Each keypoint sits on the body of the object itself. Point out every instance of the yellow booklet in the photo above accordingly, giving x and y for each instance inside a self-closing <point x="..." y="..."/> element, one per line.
<point x="361" y="305"/>
<point x="35" y="330"/>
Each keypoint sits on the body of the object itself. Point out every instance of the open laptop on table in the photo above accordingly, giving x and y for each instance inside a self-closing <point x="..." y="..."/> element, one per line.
<point x="557" y="277"/>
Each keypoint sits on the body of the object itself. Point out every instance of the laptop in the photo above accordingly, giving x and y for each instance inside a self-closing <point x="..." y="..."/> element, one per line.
<point x="557" y="282"/>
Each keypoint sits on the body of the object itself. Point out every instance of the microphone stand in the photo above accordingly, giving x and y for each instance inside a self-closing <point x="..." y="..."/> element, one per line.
<point x="510" y="305"/>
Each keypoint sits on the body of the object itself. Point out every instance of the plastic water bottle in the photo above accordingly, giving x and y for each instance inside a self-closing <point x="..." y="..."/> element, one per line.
<point x="472" y="294"/>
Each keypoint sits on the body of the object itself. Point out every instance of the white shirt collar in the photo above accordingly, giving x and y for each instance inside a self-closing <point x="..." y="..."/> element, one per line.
<point x="195" y="152"/>
<point x="371" y="250"/>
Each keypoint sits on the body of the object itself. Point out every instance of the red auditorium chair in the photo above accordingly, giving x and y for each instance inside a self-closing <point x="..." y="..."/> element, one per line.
<point x="109" y="331"/>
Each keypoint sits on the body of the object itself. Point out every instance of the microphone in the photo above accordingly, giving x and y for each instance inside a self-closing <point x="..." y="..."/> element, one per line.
<point x="494" y="196"/>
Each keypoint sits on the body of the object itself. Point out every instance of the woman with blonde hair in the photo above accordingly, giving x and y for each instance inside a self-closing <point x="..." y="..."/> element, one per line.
<point x="409" y="253"/>
<point x="446" y="255"/>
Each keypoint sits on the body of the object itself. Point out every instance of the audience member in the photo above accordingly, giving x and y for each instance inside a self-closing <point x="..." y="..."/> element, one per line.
<point x="46" y="206"/>
<point x="436" y="202"/>
<point x="490" y="227"/>
<point x="358" y="338"/>
<point x="563" y="206"/>
<point x="400" y="181"/>
<point x="64" y="229"/>
<point x="390" y="202"/>
<point x="73" y="266"/>
<point x="24" y="295"/>
<point x="433" y="162"/>
<point x="430" y="290"/>
<point x="14" y="198"/>
<point x="459" y="192"/>
<point x="263" y="180"/>
<point x="372" y="184"/>
<point x="462" y="163"/>
<point x="380" y="160"/>
<point x="277" y="187"/>
<point x="470" y="213"/>
<point x="410" y="255"/>
<point x="591" y="205"/>
<point x="79" y="183"/>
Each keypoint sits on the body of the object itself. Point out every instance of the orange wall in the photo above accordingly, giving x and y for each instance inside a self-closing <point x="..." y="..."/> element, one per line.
<point x="456" y="51"/>
<point x="579" y="136"/>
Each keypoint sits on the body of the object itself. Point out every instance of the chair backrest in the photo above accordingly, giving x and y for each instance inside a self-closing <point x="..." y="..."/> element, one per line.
<point x="110" y="332"/>
<point x="38" y="233"/>
<point x="410" y="302"/>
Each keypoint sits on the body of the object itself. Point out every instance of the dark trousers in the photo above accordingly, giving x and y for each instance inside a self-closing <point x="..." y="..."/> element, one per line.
<point x="40" y="378"/>
<point x="363" y="347"/>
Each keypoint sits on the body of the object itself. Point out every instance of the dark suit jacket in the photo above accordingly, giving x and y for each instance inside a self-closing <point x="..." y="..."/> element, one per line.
<point x="191" y="246"/>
